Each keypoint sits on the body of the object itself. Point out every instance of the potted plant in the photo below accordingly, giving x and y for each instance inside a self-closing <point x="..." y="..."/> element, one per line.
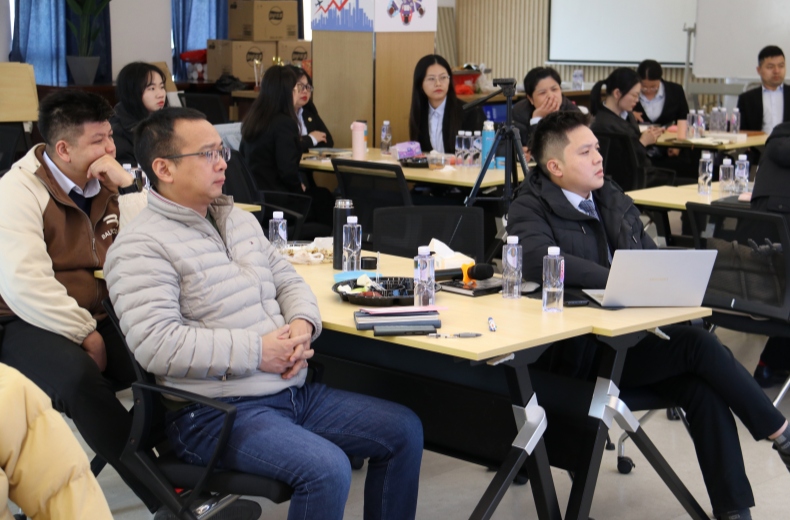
<point x="83" y="66"/>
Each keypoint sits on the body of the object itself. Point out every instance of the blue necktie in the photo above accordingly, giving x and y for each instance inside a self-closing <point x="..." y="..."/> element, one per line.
<point x="588" y="207"/>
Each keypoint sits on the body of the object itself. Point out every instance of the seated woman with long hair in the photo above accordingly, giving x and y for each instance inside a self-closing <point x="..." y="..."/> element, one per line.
<point x="140" y="89"/>
<point x="436" y="112"/>
<point x="312" y="130"/>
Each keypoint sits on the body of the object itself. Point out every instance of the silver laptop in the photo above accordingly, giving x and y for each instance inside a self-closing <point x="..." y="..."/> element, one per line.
<point x="656" y="278"/>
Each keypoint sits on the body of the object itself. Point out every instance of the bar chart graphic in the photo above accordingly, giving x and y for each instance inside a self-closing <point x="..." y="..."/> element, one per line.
<point x="343" y="15"/>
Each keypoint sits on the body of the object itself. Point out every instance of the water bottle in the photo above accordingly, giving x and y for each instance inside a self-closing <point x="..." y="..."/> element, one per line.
<point x="718" y="120"/>
<point x="741" y="174"/>
<point x="424" y="286"/>
<point x="705" y="174"/>
<point x="343" y="208"/>
<point x="702" y="122"/>
<point x="735" y="121"/>
<point x="553" y="280"/>
<point x="488" y="142"/>
<point x="691" y="120"/>
<point x="352" y="244"/>
<point x="511" y="268"/>
<point x="468" y="148"/>
<point x="477" y="147"/>
<point x="278" y="231"/>
<point x="386" y="138"/>
<point x="460" y="151"/>
<point x="726" y="176"/>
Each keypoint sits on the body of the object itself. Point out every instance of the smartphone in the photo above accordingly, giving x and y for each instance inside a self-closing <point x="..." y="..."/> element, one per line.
<point x="403" y="330"/>
<point x="575" y="302"/>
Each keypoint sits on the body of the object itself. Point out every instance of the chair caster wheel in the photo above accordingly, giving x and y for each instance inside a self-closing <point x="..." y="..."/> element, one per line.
<point x="356" y="462"/>
<point x="609" y="444"/>
<point x="520" y="479"/>
<point x="625" y="465"/>
<point x="672" y="414"/>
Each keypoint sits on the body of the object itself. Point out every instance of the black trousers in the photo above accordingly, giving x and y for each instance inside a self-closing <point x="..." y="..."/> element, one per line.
<point x="65" y="372"/>
<point x="694" y="370"/>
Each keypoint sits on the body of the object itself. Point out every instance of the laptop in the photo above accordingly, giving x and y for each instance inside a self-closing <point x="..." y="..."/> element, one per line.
<point x="656" y="278"/>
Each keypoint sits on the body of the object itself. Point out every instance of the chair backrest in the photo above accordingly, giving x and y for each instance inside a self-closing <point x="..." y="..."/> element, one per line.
<point x="401" y="230"/>
<point x="210" y="104"/>
<point x="238" y="180"/>
<point x="371" y="185"/>
<point x="13" y="141"/>
<point x="753" y="260"/>
<point x="621" y="163"/>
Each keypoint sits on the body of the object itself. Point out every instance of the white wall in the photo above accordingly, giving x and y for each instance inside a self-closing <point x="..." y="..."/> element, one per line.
<point x="140" y="32"/>
<point x="5" y="29"/>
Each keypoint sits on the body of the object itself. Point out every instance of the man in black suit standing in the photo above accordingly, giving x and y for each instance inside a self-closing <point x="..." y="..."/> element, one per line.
<point x="766" y="106"/>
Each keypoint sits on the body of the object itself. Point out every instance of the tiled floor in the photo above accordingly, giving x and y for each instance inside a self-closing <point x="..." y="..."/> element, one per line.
<point x="449" y="489"/>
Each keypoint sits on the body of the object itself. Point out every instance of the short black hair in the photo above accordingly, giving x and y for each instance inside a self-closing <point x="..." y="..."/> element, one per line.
<point x="551" y="134"/>
<point x="62" y="114"/>
<point x="650" y="70"/>
<point x="771" y="51"/>
<point x="132" y="81"/>
<point x="537" y="74"/>
<point x="155" y="137"/>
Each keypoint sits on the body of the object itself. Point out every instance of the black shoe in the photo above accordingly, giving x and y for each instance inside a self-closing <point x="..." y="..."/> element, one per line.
<point x="238" y="510"/>
<point x="743" y="514"/>
<point x="785" y="457"/>
<point x="767" y="377"/>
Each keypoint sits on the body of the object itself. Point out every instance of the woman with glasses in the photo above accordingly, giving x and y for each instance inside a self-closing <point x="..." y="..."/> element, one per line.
<point x="660" y="102"/>
<point x="271" y="142"/>
<point x="312" y="129"/>
<point x="436" y="113"/>
<point x="140" y="90"/>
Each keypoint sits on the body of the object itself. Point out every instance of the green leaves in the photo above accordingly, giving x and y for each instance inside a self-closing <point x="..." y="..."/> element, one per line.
<point x="87" y="31"/>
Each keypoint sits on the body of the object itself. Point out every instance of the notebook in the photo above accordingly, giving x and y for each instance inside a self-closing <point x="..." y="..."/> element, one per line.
<point x="656" y="278"/>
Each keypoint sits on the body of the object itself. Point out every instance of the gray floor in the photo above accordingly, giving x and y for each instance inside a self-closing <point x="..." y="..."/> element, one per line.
<point x="449" y="489"/>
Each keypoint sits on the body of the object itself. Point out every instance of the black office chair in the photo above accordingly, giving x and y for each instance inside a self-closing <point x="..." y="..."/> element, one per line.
<point x="14" y="141"/>
<point x="210" y="104"/>
<point x="622" y="164"/>
<point x="401" y="230"/>
<point x="371" y="185"/>
<point x="748" y="289"/>
<point x="150" y="458"/>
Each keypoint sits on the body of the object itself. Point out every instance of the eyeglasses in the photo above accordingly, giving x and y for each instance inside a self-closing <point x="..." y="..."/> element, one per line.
<point x="650" y="89"/>
<point x="211" y="156"/>
<point x="301" y="87"/>
<point x="444" y="78"/>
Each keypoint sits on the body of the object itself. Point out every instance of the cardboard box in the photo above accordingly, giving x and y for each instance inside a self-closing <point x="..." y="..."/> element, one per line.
<point x="294" y="51"/>
<point x="236" y="58"/>
<point x="262" y="20"/>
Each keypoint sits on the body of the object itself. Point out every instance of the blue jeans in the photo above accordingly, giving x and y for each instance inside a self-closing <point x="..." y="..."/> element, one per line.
<point x="303" y="436"/>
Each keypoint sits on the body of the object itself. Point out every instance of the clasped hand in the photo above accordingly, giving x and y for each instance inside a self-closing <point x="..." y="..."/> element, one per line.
<point x="286" y="350"/>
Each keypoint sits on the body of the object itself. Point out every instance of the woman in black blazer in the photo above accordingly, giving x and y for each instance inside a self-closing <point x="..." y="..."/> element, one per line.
<point x="313" y="131"/>
<point x="433" y="89"/>
<point x="675" y="105"/>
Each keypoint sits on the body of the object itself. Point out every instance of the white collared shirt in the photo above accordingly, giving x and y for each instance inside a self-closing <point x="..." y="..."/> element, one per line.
<point x="576" y="199"/>
<point x="435" y="118"/>
<point x="92" y="188"/>
<point x="303" y="127"/>
<point x="653" y="107"/>
<point x="773" y="108"/>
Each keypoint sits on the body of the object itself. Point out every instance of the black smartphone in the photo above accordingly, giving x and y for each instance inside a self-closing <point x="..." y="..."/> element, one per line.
<point x="575" y="303"/>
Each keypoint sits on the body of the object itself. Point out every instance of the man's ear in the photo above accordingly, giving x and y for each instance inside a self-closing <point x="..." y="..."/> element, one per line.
<point x="161" y="168"/>
<point x="63" y="150"/>
<point x="554" y="168"/>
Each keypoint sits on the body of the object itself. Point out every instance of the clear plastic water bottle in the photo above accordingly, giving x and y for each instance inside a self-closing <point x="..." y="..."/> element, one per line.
<point x="718" y="119"/>
<point x="352" y="244"/>
<point x="691" y="120"/>
<point x="741" y="174"/>
<point x="477" y="148"/>
<point x="735" y="121"/>
<point x="460" y="148"/>
<point x="424" y="285"/>
<point x="726" y="176"/>
<point x="553" y="280"/>
<point x="278" y="231"/>
<point x="386" y="138"/>
<point x="702" y="122"/>
<point x="469" y="144"/>
<point x="511" y="268"/>
<point x="488" y="142"/>
<point x="705" y="174"/>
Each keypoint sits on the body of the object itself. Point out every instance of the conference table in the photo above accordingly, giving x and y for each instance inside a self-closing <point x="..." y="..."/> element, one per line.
<point x="468" y="390"/>
<point x="753" y="139"/>
<point x="462" y="176"/>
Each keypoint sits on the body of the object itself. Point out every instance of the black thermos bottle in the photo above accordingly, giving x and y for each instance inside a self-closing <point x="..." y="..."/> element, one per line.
<point x="343" y="208"/>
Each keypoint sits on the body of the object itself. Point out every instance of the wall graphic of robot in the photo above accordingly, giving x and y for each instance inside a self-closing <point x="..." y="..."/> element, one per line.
<point x="406" y="9"/>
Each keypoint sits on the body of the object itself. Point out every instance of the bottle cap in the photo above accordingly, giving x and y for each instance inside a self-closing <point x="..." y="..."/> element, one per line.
<point x="742" y="157"/>
<point x="512" y="239"/>
<point x="461" y="133"/>
<point x="386" y="122"/>
<point x="692" y="111"/>
<point x="736" y="109"/>
<point x="477" y="132"/>
<point x="424" y="251"/>
<point x="468" y="133"/>
<point x="344" y="203"/>
<point x="727" y="161"/>
<point x="277" y="215"/>
<point x="351" y="219"/>
<point x="554" y="251"/>
<point x="715" y="109"/>
<point x="706" y="155"/>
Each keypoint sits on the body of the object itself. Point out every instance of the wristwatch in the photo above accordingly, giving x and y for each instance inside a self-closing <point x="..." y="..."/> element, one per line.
<point x="137" y="184"/>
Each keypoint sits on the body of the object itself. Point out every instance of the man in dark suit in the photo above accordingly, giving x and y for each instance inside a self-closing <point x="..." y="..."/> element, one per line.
<point x="766" y="106"/>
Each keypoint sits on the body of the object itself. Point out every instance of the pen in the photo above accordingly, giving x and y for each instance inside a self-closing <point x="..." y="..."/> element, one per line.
<point x="456" y="335"/>
<point x="491" y="324"/>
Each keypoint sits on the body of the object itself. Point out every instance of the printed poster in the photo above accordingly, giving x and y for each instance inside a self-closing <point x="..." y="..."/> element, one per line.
<point x="406" y="15"/>
<point x="343" y="15"/>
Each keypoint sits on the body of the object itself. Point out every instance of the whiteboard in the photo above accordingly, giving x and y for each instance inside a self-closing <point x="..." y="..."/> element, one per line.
<point x="619" y="31"/>
<point x="730" y="34"/>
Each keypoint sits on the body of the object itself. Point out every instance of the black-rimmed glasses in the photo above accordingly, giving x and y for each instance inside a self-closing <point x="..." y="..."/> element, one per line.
<point x="211" y="156"/>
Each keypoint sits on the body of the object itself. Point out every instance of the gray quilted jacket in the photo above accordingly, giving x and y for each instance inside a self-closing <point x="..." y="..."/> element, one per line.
<point x="194" y="303"/>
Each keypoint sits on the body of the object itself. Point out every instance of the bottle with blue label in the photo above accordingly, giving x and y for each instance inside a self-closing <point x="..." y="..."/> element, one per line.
<point x="278" y="231"/>
<point x="424" y="276"/>
<point x="477" y="147"/>
<point x="488" y="142"/>
<point x="741" y="174"/>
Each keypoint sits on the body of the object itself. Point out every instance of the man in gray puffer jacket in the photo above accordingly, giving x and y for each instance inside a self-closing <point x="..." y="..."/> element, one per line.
<point x="208" y="305"/>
